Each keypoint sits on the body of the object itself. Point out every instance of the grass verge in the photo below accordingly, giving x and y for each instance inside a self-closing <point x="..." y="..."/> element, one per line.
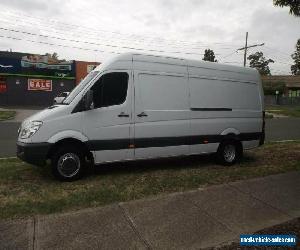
<point x="7" y="114"/>
<point x="27" y="190"/>
<point x="269" y="116"/>
<point x="292" y="111"/>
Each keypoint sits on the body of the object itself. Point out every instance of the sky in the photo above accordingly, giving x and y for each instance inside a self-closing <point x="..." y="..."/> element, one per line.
<point x="95" y="30"/>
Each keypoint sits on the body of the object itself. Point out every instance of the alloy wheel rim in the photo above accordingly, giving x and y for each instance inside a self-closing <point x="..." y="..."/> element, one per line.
<point x="229" y="153"/>
<point x="68" y="165"/>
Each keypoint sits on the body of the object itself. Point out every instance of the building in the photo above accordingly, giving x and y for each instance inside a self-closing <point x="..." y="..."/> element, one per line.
<point x="83" y="68"/>
<point x="286" y="85"/>
<point x="30" y="79"/>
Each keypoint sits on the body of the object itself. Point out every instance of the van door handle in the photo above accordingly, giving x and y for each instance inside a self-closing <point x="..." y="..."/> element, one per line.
<point x="142" y="114"/>
<point x="122" y="114"/>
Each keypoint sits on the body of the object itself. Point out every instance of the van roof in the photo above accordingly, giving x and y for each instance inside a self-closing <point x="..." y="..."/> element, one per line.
<point x="130" y="56"/>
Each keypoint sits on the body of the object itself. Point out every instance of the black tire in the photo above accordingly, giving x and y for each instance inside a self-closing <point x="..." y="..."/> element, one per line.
<point x="68" y="163"/>
<point x="229" y="152"/>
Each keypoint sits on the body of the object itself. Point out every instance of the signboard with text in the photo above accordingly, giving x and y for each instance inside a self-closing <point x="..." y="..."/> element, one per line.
<point x="32" y="64"/>
<point x="3" y="87"/>
<point x="40" y="84"/>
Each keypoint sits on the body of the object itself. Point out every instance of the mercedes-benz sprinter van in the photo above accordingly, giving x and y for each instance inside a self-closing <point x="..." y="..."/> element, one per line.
<point x="139" y="106"/>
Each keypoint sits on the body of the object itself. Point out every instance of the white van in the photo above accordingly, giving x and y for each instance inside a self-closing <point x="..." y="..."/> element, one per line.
<point x="139" y="106"/>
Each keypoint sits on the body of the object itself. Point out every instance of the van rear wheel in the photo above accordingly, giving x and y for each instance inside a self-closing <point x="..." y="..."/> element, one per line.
<point x="229" y="152"/>
<point x="68" y="163"/>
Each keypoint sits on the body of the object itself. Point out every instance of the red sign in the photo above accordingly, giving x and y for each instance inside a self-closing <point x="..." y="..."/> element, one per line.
<point x="40" y="84"/>
<point x="3" y="88"/>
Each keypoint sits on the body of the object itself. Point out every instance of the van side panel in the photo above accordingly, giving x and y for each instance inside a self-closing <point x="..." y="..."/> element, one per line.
<point x="223" y="101"/>
<point x="226" y="94"/>
<point x="183" y="107"/>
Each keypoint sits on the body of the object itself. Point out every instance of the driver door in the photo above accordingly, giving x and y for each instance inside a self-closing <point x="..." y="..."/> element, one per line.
<point x="108" y="125"/>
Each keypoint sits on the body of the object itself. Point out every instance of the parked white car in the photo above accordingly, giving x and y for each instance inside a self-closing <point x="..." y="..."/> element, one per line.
<point x="59" y="99"/>
<point x="139" y="106"/>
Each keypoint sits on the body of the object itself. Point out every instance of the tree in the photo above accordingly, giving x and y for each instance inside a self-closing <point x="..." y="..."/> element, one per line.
<point x="258" y="61"/>
<point x="209" y="55"/>
<point x="293" y="4"/>
<point x="53" y="56"/>
<point x="295" y="68"/>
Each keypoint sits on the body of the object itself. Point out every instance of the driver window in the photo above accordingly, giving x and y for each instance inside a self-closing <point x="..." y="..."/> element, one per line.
<point x="110" y="89"/>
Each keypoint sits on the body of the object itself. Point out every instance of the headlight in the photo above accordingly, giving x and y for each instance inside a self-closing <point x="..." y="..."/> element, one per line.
<point x="30" y="129"/>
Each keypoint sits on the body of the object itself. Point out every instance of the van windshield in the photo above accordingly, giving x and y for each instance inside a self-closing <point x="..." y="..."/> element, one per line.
<point x="80" y="87"/>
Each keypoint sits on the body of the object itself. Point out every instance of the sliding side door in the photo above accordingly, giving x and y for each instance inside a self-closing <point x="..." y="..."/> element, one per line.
<point x="161" y="114"/>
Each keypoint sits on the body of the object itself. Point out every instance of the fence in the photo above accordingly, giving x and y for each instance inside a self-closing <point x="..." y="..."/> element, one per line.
<point x="281" y="100"/>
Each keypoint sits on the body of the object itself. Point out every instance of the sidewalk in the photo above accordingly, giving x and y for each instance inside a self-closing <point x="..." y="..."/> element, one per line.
<point x="190" y="220"/>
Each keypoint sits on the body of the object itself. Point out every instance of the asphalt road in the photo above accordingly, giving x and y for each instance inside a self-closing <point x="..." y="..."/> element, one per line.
<point x="276" y="129"/>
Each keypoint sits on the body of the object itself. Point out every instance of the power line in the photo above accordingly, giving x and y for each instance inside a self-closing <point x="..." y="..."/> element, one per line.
<point x="231" y="62"/>
<point x="279" y="59"/>
<point x="116" y="33"/>
<point x="275" y="58"/>
<point x="280" y="71"/>
<point x="47" y="36"/>
<point x="87" y="30"/>
<point x="65" y="33"/>
<point x="57" y="45"/>
<point x="279" y="62"/>
<point x="63" y="45"/>
<point x="99" y="44"/>
<point x="234" y="52"/>
<point x="94" y="50"/>
<point x="278" y="51"/>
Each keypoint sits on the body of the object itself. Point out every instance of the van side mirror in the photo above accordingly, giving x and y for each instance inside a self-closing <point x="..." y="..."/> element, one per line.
<point x="88" y="99"/>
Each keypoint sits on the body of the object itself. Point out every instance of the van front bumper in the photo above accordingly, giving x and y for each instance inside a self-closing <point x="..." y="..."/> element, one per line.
<point x="33" y="153"/>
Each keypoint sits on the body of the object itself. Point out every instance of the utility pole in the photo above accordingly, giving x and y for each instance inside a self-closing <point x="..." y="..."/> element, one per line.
<point x="245" y="50"/>
<point x="247" y="47"/>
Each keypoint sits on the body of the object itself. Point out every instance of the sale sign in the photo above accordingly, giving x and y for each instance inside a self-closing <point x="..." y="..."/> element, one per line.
<point x="3" y="88"/>
<point x="40" y="84"/>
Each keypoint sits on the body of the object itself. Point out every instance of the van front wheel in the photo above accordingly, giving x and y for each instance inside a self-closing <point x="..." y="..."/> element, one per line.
<point x="67" y="163"/>
<point x="228" y="153"/>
